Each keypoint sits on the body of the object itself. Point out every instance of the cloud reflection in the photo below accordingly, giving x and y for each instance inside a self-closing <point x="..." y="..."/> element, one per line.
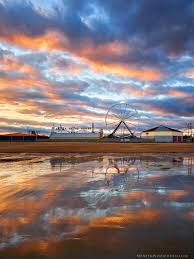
<point x="53" y="199"/>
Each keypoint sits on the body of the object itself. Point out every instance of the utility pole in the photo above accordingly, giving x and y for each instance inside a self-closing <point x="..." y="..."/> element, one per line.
<point x="187" y="127"/>
<point x="92" y="127"/>
<point x="189" y="130"/>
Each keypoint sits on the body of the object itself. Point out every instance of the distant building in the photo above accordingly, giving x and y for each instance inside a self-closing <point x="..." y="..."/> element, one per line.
<point x="62" y="133"/>
<point x="74" y="136"/>
<point x="163" y="134"/>
<point x="22" y="137"/>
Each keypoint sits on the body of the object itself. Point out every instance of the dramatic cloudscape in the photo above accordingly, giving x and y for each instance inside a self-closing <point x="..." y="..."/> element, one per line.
<point x="68" y="61"/>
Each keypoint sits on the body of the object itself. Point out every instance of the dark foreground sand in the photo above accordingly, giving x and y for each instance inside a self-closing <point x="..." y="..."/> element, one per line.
<point x="82" y="147"/>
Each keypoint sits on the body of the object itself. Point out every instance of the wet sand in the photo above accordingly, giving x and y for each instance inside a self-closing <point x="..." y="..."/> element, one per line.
<point x="86" y="147"/>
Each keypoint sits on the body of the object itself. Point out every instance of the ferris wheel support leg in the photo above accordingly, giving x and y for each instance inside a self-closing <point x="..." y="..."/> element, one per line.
<point x="115" y="130"/>
<point x="128" y="129"/>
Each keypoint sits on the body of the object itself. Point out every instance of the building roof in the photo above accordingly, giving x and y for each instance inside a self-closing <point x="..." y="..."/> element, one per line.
<point x="18" y="134"/>
<point x="161" y="128"/>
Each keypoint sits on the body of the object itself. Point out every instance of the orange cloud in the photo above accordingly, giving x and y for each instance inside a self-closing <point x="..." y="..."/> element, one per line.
<point x="189" y="73"/>
<point x="89" y="53"/>
<point x="50" y="40"/>
<point x="139" y="92"/>
<point x="141" y="195"/>
<point x="115" y="48"/>
<point x="159" y="111"/>
<point x="12" y="63"/>
<point x="127" y="217"/>
<point x="22" y="82"/>
<point x="94" y="55"/>
<point x="174" y="195"/>
<point x="128" y="71"/>
<point x="177" y="93"/>
<point x="70" y="220"/>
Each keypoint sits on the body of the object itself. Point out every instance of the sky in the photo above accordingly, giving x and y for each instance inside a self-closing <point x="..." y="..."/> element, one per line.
<point x="69" y="61"/>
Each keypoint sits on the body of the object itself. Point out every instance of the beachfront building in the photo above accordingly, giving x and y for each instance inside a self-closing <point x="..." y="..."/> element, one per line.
<point x="163" y="134"/>
<point x="75" y="133"/>
<point x="22" y="137"/>
<point x="74" y="136"/>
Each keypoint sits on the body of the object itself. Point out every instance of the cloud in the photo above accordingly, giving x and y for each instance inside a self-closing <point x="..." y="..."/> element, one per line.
<point x="190" y="73"/>
<point x="12" y="63"/>
<point x="75" y="59"/>
<point x="47" y="32"/>
<point x="168" y="27"/>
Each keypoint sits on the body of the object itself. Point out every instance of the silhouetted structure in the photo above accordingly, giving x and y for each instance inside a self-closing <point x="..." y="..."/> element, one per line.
<point x="33" y="136"/>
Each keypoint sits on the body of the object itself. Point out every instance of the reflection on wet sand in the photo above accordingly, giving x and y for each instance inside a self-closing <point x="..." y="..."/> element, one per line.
<point x="95" y="206"/>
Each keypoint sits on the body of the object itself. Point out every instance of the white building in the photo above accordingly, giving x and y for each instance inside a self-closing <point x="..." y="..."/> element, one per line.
<point x="74" y="135"/>
<point x="163" y="134"/>
<point x="62" y="133"/>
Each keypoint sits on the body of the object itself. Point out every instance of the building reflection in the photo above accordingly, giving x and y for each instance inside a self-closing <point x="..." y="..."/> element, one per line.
<point x="190" y="163"/>
<point x="161" y="162"/>
<point x="60" y="162"/>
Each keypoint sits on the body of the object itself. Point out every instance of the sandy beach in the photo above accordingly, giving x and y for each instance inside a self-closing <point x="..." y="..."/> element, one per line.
<point x="84" y="147"/>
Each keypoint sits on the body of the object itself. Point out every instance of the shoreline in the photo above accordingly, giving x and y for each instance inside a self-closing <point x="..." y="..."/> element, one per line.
<point x="89" y="147"/>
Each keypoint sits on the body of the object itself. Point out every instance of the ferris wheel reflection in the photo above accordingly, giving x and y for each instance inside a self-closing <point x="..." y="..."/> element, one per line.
<point x="120" y="170"/>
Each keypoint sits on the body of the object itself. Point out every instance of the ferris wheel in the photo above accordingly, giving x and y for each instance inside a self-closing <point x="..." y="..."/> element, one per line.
<point x="122" y="120"/>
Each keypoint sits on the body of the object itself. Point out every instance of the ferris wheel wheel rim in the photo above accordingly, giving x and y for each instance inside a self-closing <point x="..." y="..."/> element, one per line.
<point x="114" y="117"/>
